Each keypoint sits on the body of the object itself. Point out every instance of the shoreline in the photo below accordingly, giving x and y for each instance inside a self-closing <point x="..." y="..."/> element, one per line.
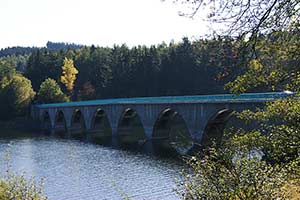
<point x="18" y="127"/>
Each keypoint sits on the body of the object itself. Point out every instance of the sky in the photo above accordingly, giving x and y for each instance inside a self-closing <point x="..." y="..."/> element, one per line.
<point x="98" y="22"/>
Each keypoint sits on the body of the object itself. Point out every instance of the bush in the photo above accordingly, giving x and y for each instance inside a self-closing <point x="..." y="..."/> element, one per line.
<point x="238" y="169"/>
<point x="16" y="187"/>
<point x="220" y="175"/>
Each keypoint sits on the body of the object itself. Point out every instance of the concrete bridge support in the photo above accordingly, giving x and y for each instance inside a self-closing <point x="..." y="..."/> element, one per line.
<point x="196" y="117"/>
<point x="199" y="117"/>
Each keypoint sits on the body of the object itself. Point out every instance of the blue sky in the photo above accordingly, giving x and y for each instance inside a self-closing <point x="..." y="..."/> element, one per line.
<point x="99" y="22"/>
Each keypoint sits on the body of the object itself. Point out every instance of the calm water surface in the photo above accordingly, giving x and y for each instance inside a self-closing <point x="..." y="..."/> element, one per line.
<point x="76" y="170"/>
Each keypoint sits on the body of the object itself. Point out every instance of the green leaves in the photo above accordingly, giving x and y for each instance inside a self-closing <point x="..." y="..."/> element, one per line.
<point x="225" y="174"/>
<point x="50" y="92"/>
<point x="276" y="66"/>
<point x="15" y="97"/>
<point x="6" y="73"/>
<point x="261" y="159"/>
<point x="19" y="188"/>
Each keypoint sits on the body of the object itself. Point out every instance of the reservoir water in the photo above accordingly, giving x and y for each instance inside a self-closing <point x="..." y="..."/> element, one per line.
<point x="74" y="170"/>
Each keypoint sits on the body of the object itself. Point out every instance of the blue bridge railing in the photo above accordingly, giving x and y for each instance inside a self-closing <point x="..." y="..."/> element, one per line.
<point x="255" y="97"/>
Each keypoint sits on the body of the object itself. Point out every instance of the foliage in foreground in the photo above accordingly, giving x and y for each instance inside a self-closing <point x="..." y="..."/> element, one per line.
<point x="15" y="187"/>
<point x="262" y="163"/>
<point x="18" y="187"/>
<point x="236" y="172"/>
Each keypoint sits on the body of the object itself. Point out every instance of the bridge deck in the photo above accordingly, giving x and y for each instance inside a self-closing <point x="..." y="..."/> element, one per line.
<point x="246" y="97"/>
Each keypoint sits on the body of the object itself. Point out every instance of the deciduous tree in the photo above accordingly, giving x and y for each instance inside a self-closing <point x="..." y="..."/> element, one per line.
<point x="69" y="73"/>
<point x="16" y="97"/>
<point x="50" y="92"/>
<point x="245" y="17"/>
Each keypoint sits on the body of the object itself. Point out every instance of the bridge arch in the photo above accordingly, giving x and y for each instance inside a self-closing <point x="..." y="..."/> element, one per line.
<point x="60" y="125"/>
<point x="170" y="131"/>
<point x="130" y="128"/>
<point x="77" y="126"/>
<point x="215" y="126"/>
<point x="100" y="131"/>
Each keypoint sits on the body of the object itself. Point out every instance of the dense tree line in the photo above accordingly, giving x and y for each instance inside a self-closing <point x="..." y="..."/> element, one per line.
<point x="19" y="62"/>
<point x="185" y="68"/>
<point x="23" y="51"/>
<point x="16" y="51"/>
<point x="62" y="45"/>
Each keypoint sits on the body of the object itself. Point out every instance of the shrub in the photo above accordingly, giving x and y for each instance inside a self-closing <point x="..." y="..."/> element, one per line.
<point x="224" y="175"/>
<point x="15" y="187"/>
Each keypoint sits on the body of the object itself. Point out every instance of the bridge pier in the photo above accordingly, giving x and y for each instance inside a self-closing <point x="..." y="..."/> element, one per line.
<point x="197" y="114"/>
<point x="88" y="113"/>
<point x="52" y="132"/>
<point x="196" y="135"/>
<point x="148" y="132"/>
<point x="52" y="113"/>
<point x="148" y="147"/>
<point x="114" y="136"/>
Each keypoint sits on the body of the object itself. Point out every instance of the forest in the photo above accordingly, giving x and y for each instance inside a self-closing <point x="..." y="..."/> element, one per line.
<point x="259" y="52"/>
<point x="183" y="68"/>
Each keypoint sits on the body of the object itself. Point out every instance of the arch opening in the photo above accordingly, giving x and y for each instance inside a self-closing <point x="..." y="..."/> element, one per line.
<point x="171" y="133"/>
<point x="130" y="129"/>
<point x="60" y="123"/>
<point x="77" y="125"/>
<point x="100" y="128"/>
<point x="214" y="129"/>
<point x="46" y="123"/>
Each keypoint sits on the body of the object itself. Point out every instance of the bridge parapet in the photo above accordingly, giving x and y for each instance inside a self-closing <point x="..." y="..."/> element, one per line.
<point x="195" y="111"/>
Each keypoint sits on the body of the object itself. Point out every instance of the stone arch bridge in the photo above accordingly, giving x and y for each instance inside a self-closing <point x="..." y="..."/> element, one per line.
<point x="157" y="117"/>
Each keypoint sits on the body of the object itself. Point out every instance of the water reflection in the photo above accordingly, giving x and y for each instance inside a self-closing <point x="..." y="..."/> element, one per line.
<point x="76" y="170"/>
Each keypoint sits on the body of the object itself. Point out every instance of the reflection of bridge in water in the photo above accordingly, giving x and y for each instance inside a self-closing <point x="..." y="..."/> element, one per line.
<point x="171" y="120"/>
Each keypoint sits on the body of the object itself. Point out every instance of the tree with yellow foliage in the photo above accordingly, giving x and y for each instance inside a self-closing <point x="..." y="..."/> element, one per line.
<point x="69" y="72"/>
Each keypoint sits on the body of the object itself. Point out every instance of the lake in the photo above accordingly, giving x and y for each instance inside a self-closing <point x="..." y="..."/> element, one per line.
<point x="76" y="170"/>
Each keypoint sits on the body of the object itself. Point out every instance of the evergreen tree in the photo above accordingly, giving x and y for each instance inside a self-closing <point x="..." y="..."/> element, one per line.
<point x="44" y="64"/>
